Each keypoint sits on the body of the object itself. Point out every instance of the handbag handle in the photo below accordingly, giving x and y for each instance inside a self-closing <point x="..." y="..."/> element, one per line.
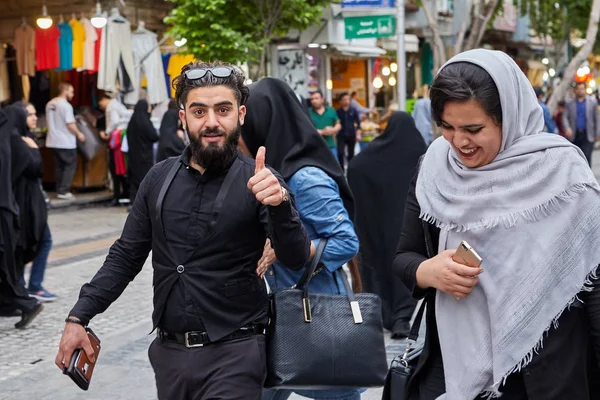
<point x="307" y="276"/>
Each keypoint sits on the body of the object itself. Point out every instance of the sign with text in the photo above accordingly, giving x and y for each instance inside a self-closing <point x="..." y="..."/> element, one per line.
<point x="371" y="26"/>
<point x="368" y="3"/>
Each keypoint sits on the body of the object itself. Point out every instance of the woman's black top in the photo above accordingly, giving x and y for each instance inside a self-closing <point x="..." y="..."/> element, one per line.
<point x="565" y="368"/>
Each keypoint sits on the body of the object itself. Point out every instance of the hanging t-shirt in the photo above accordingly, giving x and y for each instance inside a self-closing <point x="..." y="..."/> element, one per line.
<point x="89" y="47"/>
<point x="176" y="63"/>
<point x="97" y="50"/>
<point x="25" y="45"/>
<point x="4" y="81"/>
<point x="78" y="42"/>
<point x="65" y="44"/>
<point x="46" y="48"/>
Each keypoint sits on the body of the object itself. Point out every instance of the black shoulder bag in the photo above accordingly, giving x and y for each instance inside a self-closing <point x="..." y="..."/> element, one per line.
<point x="324" y="341"/>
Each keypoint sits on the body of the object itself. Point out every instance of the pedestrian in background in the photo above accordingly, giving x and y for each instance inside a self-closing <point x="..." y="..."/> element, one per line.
<point x="581" y="121"/>
<point x="39" y="214"/>
<point x="422" y="116"/>
<point x="205" y="216"/>
<point x="62" y="138"/>
<point x="527" y="203"/>
<point x="350" y="132"/>
<point x="325" y="119"/>
<point x="171" y="141"/>
<point x="379" y="177"/>
<point x="276" y="120"/>
<point x="550" y="125"/>
<point x="116" y="119"/>
<point x="15" y="158"/>
<point x="141" y="135"/>
<point x="558" y="118"/>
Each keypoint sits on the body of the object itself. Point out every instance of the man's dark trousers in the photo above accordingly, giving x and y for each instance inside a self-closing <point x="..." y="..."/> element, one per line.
<point x="232" y="370"/>
<point x="587" y="147"/>
<point x="343" y="143"/>
<point x="66" y="165"/>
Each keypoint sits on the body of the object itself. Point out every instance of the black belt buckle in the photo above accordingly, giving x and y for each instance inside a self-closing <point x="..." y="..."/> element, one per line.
<point x="194" y="339"/>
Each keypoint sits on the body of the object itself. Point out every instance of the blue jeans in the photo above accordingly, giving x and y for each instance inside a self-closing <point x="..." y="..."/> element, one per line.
<point x="341" y="394"/>
<point x="38" y="267"/>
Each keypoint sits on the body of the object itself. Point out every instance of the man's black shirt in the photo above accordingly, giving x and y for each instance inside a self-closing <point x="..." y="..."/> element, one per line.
<point x="205" y="270"/>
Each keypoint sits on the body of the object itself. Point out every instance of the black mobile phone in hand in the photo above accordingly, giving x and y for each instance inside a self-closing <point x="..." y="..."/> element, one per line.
<point x="81" y="368"/>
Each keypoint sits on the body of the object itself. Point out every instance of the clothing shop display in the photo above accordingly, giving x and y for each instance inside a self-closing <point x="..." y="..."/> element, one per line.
<point x="65" y="45"/>
<point x="176" y="63"/>
<point x="78" y="42"/>
<point x="148" y="63"/>
<point x="4" y="81"/>
<point x="116" y="57"/>
<point x="97" y="48"/>
<point x="89" y="46"/>
<point x="25" y="45"/>
<point x="47" y="55"/>
<point x="26" y="84"/>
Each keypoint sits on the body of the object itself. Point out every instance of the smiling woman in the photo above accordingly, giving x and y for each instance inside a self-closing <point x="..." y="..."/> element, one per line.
<point x="466" y="105"/>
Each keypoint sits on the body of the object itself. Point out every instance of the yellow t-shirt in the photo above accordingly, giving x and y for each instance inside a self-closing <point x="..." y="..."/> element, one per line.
<point x="176" y="63"/>
<point x="78" y="42"/>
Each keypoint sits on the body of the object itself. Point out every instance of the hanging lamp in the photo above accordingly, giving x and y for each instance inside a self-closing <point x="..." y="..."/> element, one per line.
<point x="44" y="21"/>
<point x="98" y="20"/>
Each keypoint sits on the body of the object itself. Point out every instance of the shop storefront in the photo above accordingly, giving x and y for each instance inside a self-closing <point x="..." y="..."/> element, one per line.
<point x="97" y="52"/>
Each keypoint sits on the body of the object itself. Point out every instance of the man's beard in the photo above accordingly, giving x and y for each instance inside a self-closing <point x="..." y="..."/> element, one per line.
<point x="213" y="157"/>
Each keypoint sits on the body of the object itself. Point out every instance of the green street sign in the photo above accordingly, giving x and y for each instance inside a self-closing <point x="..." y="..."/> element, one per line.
<point x="371" y="26"/>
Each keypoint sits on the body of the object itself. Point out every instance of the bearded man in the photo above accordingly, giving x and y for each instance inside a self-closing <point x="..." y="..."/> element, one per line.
<point x="205" y="215"/>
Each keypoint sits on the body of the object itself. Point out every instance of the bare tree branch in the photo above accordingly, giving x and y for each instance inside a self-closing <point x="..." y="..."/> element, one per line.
<point x="481" y="19"/>
<point x="439" y="52"/>
<point x="460" y="39"/>
<point x="580" y="57"/>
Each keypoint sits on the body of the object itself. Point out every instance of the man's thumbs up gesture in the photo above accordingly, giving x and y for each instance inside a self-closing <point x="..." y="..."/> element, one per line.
<point x="264" y="184"/>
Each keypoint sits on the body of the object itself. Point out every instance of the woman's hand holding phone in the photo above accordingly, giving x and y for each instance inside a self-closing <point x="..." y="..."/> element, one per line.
<point x="444" y="274"/>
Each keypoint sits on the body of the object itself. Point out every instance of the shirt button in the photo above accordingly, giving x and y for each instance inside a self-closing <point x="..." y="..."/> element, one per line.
<point x="271" y="272"/>
<point x="180" y="269"/>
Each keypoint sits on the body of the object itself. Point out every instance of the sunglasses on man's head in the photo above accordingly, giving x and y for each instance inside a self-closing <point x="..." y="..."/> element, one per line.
<point x="217" y="72"/>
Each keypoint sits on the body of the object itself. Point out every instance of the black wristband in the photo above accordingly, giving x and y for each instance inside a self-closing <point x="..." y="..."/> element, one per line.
<point x="75" y="321"/>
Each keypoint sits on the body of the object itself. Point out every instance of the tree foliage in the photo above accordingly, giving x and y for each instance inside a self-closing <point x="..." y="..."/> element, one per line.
<point x="239" y="31"/>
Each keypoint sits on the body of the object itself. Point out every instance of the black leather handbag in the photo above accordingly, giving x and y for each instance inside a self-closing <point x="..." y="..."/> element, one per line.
<point x="403" y="366"/>
<point x="321" y="341"/>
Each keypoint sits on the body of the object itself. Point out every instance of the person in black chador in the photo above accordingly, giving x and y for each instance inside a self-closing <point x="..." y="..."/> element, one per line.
<point x="170" y="143"/>
<point x="15" y="159"/>
<point x="206" y="216"/>
<point x="141" y="134"/>
<point x="379" y="177"/>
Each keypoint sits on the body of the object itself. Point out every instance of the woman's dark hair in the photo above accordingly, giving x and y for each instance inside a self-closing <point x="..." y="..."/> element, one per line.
<point x="461" y="82"/>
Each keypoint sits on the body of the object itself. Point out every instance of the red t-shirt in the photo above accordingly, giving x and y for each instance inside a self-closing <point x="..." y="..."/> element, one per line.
<point x="47" y="55"/>
<point x="97" y="49"/>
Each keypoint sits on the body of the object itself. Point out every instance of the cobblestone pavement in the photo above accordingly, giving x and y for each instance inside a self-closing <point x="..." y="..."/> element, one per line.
<point x="81" y="240"/>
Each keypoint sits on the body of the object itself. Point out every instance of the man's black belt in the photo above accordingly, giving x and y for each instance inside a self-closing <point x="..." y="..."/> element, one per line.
<point x="200" y="338"/>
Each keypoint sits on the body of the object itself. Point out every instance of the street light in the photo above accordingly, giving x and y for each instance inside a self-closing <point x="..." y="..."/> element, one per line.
<point x="44" y="21"/>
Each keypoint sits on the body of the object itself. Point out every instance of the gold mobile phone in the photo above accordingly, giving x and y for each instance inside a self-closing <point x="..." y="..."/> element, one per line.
<point x="466" y="255"/>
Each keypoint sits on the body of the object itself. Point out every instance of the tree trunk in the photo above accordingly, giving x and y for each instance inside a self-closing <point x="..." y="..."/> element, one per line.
<point x="263" y="61"/>
<point x="482" y="17"/>
<point x="439" y="52"/>
<point x="579" y="58"/>
<point x="460" y="39"/>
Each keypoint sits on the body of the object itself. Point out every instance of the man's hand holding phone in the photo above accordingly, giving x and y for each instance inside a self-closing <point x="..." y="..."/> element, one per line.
<point x="444" y="274"/>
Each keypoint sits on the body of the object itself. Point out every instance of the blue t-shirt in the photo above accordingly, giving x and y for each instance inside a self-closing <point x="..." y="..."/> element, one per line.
<point x="65" y="45"/>
<point x="581" y="117"/>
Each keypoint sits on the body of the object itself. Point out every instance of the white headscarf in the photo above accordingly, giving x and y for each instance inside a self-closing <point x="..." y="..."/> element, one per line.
<point x="533" y="214"/>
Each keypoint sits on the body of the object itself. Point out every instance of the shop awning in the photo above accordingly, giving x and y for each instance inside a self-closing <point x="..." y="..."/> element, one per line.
<point x="359" y="51"/>
<point x="411" y="43"/>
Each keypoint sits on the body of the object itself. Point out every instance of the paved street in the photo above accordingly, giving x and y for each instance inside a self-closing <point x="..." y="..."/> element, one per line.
<point x="81" y="240"/>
